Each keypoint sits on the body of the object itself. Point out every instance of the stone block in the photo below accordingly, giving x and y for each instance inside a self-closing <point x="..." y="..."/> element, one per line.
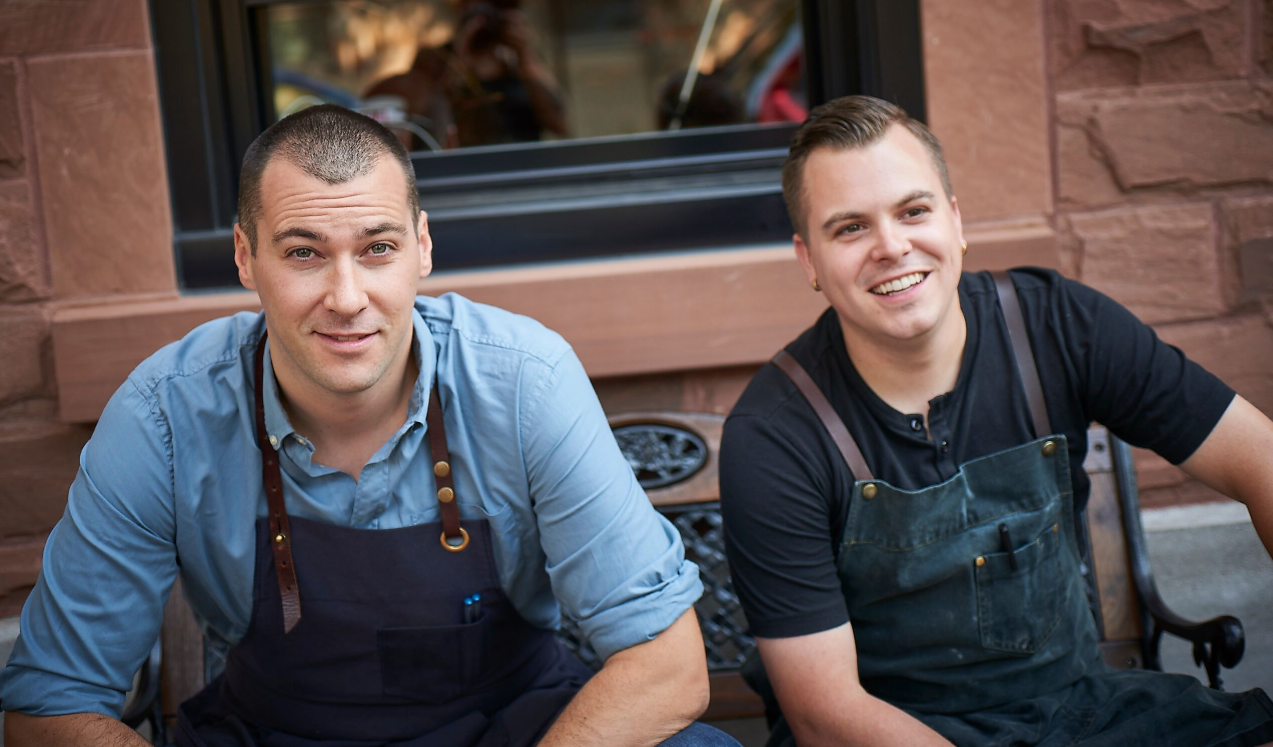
<point x="1159" y="261"/>
<point x="26" y="349"/>
<point x="1264" y="48"/>
<point x="12" y="155"/>
<point x="102" y="178"/>
<point x="1176" y="139"/>
<point x="1247" y="240"/>
<point x="20" y="563"/>
<point x="1097" y="43"/>
<point x="21" y="261"/>
<point x="30" y="27"/>
<point x="997" y="146"/>
<point x="41" y="459"/>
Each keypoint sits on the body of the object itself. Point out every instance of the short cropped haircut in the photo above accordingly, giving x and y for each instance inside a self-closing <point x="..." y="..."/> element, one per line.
<point x="845" y="123"/>
<point x="328" y="142"/>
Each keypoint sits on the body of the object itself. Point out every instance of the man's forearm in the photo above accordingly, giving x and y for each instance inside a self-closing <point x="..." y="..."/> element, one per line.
<point x="21" y="730"/>
<point x="642" y="696"/>
<point x="867" y="722"/>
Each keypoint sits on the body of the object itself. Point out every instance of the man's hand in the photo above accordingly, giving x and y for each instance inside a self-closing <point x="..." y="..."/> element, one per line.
<point x="21" y="730"/>
<point x="642" y="696"/>
<point x="1237" y="460"/>
<point x="816" y="680"/>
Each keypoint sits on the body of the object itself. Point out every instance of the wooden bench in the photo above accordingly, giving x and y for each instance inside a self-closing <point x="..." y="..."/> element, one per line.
<point x="680" y="449"/>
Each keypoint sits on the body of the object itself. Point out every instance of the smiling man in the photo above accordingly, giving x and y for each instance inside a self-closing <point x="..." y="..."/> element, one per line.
<point x="380" y="506"/>
<point x="899" y="485"/>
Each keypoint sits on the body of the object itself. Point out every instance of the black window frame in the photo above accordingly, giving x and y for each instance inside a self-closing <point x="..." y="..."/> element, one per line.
<point x="529" y="203"/>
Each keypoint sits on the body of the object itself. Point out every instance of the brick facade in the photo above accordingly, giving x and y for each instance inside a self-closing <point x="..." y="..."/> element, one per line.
<point x="1164" y="167"/>
<point x="83" y="201"/>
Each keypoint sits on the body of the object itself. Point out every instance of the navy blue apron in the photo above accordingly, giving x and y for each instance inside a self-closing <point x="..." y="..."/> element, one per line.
<point x="969" y="609"/>
<point x="382" y="651"/>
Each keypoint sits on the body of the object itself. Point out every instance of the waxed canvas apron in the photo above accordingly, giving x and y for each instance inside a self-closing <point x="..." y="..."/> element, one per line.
<point x="969" y="609"/>
<point x="379" y="653"/>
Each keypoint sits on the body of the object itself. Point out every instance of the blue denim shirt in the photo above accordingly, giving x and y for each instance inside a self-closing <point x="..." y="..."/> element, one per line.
<point x="171" y="483"/>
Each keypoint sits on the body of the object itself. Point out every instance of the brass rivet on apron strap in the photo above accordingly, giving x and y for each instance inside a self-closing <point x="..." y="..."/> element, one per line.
<point x="441" y="469"/>
<point x="980" y="561"/>
<point x="1049" y="448"/>
<point x="869" y="490"/>
<point x="446" y="495"/>
<point x="279" y="538"/>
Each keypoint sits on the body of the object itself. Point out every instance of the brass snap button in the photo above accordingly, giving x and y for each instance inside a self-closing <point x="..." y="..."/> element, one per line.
<point x="279" y="538"/>
<point x="980" y="561"/>
<point x="1049" y="448"/>
<point x="441" y="469"/>
<point x="446" y="495"/>
<point x="869" y="490"/>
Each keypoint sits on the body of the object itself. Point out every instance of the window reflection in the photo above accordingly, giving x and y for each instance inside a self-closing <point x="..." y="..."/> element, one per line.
<point x="458" y="73"/>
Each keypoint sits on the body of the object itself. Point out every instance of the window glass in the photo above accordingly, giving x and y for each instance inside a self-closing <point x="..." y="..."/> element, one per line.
<point x="450" y="74"/>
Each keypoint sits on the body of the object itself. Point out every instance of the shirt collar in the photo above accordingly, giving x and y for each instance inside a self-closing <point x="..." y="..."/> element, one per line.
<point x="278" y="425"/>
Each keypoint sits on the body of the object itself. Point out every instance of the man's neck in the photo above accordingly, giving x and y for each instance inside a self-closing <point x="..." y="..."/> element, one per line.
<point x="907" y="374"/>
<point x="347" y="430"/>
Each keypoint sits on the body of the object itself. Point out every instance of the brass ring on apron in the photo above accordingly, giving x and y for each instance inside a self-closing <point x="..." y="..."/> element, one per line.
<point x="456" y="548"/>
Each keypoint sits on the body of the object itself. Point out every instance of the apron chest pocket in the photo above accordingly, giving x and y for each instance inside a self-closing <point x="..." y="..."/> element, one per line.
<point x="1019" y="594"/>
<point x="433" y="664"/>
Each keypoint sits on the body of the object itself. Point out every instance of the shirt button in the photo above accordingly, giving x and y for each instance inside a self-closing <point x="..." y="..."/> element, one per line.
<point x="273" y="440"/>
<point x="945" y="446"/>
<point x="917" y="425"/>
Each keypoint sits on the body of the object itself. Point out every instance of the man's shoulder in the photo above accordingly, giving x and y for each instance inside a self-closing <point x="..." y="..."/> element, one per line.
<point x="771" y="391"/>
<point x="454" y="319"/>
<point x="202" y="354"/>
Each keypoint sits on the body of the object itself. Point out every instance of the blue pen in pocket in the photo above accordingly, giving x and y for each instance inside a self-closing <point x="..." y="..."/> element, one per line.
<point x="472" y="608"/>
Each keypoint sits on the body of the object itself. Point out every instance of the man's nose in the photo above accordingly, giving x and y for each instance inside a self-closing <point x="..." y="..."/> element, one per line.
<point x="345" y="293"/>
<point x="891" y="242"/>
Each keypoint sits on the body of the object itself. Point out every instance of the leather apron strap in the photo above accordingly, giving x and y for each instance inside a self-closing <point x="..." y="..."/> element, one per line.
<point x="280" y="530"/>
<point x="1023" y="352"/>
<point x="830" y="420"/>
<point x="454" y="537"/>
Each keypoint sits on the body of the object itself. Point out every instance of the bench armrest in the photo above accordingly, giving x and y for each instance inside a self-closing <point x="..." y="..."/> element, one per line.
<point x="1219" y="642"/>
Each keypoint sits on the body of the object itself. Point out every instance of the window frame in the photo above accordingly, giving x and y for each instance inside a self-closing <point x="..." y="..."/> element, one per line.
<point x="562" y="200"/>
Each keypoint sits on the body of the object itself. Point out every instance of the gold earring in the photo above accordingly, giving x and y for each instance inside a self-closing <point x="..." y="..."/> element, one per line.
<point x="815" y="285"/>
<point x="964" y="245"/>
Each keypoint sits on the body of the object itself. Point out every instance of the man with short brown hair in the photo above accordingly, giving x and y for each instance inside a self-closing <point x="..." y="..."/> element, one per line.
<point x="380" y="506"/>
<point x="899" y="486"/>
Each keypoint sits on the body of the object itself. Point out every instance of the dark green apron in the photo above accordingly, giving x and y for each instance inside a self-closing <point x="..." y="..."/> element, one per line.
<point x="969" y="608"/>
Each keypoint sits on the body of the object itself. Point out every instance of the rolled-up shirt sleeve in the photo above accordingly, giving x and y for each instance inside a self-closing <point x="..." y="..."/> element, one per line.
<point x="616" y="565"/>
<point x="109" y="565"/>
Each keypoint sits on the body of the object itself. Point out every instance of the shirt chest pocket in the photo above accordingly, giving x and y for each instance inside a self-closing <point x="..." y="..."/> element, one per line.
<point x="1019" y="599"/>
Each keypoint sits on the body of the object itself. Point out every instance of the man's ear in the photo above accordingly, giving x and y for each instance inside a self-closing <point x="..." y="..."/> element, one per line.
<point x="959" y="221"/>
<point x="806" y="259"/>
<point x="243" y="257"/>
<point x="426" y="245"/>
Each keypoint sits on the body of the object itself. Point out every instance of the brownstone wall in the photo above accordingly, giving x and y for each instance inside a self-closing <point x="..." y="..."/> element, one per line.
<point x="1163" y="155"/>
<point x="83" y="213"/>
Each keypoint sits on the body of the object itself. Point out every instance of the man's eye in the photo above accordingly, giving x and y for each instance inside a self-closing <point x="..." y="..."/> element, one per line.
<point x="852" y="228"/>
<point x="380" y="249"/>
<point x="915" y="212"/>
<point x="302" y="253"/>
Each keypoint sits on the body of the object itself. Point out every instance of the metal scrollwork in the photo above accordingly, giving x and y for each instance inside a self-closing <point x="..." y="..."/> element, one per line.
<point x="661" y="455"/>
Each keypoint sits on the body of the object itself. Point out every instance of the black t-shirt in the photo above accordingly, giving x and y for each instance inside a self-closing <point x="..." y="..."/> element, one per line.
<point x="785" y="488"/>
